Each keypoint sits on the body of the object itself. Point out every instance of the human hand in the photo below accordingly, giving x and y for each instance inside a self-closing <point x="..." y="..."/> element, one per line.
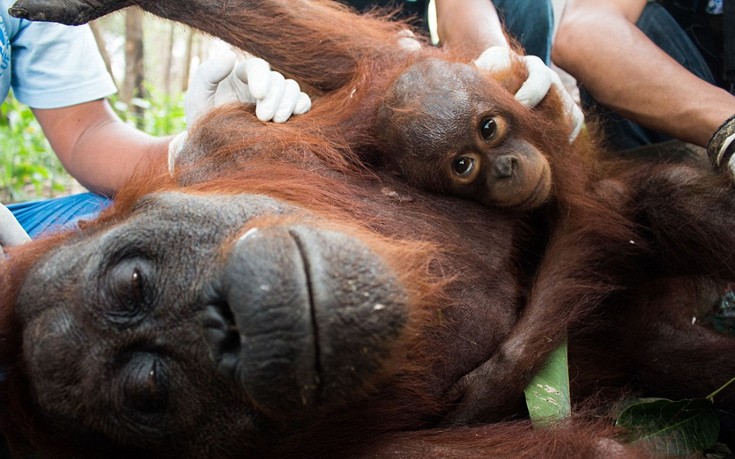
<point x="540" y="80"/>
<point x="11" y="233"/>
<point x="251" y="81"/>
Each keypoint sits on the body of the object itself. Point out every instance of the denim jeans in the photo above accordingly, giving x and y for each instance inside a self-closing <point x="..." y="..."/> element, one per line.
<point x="531" y="23"/>
<point x="38" y="217"/>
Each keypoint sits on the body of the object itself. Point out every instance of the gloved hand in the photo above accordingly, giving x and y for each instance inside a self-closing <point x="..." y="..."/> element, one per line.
<point x="408" y="41"/>
<point x="11" y="233"/>
<point x="251" y="81"/>
<point x="540" y="79"/>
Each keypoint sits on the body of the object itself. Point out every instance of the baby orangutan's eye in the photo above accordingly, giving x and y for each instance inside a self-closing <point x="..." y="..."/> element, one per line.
<point x="488" y="128"/>
<point x="463" y="166"/>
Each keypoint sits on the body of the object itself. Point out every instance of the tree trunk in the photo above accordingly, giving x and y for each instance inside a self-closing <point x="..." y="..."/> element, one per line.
<point x="187" y="60"/>
<point x="100" y="40"/>
<point x="168" y="60"/>
<point x="134" y="68"/>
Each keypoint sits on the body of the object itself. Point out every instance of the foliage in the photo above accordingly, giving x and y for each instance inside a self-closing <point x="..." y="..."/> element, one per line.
<point x="161" y="114"/>
<point x="547" y="395"/>
<point x="28" y="167"/>
<point x="673" y="428"/>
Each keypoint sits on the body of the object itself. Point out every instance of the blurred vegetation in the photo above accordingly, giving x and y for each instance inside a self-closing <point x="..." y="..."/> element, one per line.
<point x="29" y="169"/>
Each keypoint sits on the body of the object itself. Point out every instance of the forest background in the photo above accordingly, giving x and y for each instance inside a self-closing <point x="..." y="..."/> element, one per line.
<point x="151" y="61"/>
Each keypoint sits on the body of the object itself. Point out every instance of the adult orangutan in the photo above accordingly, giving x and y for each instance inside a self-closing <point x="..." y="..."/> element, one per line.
<point x="289" y="296"/>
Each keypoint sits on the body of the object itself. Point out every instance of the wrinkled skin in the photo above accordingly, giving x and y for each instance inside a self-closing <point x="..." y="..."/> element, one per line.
<point x="217" y="335"/>
<point x="292" y="297"/>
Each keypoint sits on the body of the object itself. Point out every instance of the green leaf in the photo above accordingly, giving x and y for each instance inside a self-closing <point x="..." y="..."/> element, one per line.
<point x="547" y="396"/>
<point x="673" y="428"/>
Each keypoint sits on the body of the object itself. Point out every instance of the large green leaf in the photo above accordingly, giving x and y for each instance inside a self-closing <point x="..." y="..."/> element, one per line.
<point x="673" y="428"/>
<point x="547" y="396"/>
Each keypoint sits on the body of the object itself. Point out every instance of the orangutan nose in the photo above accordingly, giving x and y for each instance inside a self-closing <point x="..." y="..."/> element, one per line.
<point x="504" y="166"/>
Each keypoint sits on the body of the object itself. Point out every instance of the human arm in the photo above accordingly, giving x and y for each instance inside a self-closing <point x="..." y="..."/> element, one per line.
<point x="96" y="147"/>
<point x="472" y="24"/>
<point x="102" y="152"/>
<point x="600" y="45"/>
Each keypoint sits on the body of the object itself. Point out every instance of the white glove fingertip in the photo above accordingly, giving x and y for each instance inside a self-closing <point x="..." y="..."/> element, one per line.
<point x="578" y="122"/>
<point x="288" y="102"/>
<point x="257" y="74"/>
<point x="303" y="105"/>
<point x="494" y="59"/>
<point x="205" y="83"/>
<point x="407" y="40"/>
<point x="174" y="149"/>
<point x="267" y="106"/>
<point x="537" y="85"/>
<point x="216" y="69"/>
<point x="11" y="233"/>
<point x="570" y="106"/>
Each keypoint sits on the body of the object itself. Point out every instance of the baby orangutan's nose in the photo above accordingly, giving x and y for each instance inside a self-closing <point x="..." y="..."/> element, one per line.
<point x="504" y="166"/>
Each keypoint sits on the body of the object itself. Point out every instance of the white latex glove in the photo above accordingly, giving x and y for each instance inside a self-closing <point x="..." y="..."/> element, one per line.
<point x="220" y="81"/>
<point x="11" y="233"/>
<point x="534" y="89"/>
<point x="251" y="81"/>
<point x="407" y="40"/>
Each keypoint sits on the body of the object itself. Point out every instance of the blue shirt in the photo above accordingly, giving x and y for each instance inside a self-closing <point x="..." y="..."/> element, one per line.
<point x="50" y="65"/>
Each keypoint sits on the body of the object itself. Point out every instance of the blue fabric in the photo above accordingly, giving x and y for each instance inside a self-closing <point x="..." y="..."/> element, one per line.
<point x="531" y="23"/>
<point x="50" y="65"/>
<point x="38" y="217"/>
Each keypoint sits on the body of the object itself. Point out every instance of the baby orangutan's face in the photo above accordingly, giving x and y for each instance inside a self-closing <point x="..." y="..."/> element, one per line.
<point x="451" y="129"/>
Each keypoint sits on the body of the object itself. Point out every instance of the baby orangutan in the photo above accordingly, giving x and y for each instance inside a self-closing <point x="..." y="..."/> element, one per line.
<point x="452" y="128"/>
<point x="465" y="136"/>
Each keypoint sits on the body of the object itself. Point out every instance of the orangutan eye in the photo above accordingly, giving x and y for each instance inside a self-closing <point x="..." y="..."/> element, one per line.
<point x="463" y="166"/>
<point x="145" y="385"/>
<point x="488" y="128"/>
<point x="136" y="285"/>
<point x="127" y="286"/>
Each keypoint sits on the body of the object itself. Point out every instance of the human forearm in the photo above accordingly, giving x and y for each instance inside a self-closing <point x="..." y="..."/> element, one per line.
<point x="624" y="70"/>
<point x="469" y="24"/>
<point x="98" y="149"/>
<point x="105" y="159"/>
